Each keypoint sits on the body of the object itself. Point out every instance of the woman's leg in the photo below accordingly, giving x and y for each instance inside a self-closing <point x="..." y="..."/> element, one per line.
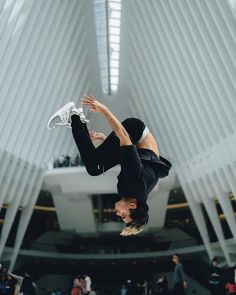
<point x="135" y="128"/>
<point x="96" y="160"/>
<point x="107" y="155"/>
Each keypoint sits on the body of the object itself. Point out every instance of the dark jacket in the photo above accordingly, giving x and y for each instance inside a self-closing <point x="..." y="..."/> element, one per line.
<point x="27" y="285"/>
<point x="140" y="172"/>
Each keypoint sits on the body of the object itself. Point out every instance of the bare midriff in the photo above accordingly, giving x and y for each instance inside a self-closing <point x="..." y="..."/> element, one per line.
<point x="149" y="143"/>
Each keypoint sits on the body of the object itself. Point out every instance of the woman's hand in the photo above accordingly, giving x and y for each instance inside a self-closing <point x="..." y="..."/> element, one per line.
<point x="93" y="105"/>
<point x="97" y="136"/>
<point x="96" y="107"/>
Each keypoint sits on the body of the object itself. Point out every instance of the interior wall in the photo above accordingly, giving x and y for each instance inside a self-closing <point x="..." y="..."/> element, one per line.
<point x="179" y="69"/>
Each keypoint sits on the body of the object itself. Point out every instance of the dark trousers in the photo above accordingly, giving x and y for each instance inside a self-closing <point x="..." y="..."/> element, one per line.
<point x="109" y="153"/>
<point x="178" y="289"/>
<point x="216" y="290"/>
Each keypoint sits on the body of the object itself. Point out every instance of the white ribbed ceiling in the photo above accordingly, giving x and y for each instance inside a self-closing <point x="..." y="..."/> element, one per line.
<point x="177" y="72"/>
<point x="47" y="56"/>
<point x="178" y="63"/>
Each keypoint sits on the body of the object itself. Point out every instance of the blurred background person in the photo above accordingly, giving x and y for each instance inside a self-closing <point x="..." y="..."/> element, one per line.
<point x="215" y="278"/>
<point x="77" y="286"/>
<point x="162" y="286"/>
<point x="179" y="277"/>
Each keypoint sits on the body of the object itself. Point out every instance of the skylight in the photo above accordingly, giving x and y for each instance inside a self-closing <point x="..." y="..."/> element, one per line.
<point x="107" y="20"/>
<point x="232" y="4"/>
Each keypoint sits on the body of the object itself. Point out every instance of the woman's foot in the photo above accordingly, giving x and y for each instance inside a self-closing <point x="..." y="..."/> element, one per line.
<point x="63" y="116"/>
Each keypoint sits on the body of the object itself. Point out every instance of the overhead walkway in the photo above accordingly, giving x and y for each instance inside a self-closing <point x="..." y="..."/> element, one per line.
<point x="72" y="189"/>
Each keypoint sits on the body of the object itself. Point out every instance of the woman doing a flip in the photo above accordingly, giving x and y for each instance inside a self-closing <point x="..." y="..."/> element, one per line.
<point x="131" y="145"/>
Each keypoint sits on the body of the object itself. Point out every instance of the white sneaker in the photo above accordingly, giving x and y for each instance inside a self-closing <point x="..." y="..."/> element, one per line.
<point x="82" y="116"/>
<point x="63" y="116"/>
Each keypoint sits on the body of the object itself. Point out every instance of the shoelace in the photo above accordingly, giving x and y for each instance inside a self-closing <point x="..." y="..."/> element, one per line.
<point x="82" y="116"/>
<point x="65" y="116"/>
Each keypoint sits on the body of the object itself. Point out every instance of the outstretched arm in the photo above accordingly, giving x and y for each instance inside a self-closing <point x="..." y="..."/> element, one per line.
<point x="118" y="128"/>
<point x="16" y="277"/>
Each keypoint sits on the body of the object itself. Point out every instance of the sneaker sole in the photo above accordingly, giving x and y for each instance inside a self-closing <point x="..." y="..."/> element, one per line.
<point x="55" y="119"/>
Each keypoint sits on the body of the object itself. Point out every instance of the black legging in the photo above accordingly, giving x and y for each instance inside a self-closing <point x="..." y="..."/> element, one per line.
<point x="107" y="155"/>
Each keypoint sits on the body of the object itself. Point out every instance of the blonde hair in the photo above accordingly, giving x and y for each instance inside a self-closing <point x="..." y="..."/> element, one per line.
<point x="139" y="217"/>
<point x="132" y="229"/>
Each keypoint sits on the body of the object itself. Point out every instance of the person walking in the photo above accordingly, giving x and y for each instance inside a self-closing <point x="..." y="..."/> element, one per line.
<point x="179" y="277"/>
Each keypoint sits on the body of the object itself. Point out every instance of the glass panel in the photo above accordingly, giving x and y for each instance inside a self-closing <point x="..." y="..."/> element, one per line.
<point x="115" y="5"/>
<point x="115" y="46"/>
<point x="115" y="55"/>
<point x="115" y="14"/>
<point x="114" y="63"/>
<point x="232" y="3"/>
<point x="114" y="80"/>
<point x="114" y="72"/>
<point x="115" y="38"/>
<point x="115" y="30"/>
<point x="114" y="22"/>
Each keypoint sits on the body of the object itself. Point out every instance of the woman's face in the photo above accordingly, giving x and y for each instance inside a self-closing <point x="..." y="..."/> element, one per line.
<point x="122" y="208"/>
<point x="214" y="263"/>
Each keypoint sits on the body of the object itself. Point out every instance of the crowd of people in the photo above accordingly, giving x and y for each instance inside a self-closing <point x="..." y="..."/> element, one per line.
<point x="66" y="161"/>
<point x="82" y="285"/>
<point x="11" y="284"/>
<point x="220" y="282"/>
<point x="161" y="284"/>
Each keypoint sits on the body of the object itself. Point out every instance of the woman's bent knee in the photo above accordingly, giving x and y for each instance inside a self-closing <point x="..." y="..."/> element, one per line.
<point x="94" y="171"/>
